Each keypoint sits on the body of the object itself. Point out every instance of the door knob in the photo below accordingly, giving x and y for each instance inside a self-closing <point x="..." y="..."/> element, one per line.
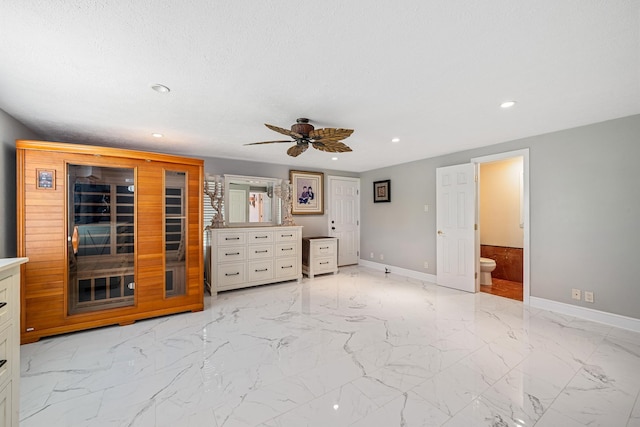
<point x="333" y="228"/>
<point x="440" y="233"/>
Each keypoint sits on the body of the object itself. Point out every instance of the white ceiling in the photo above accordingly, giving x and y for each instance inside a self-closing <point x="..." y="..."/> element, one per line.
<point x="431" y="73"/>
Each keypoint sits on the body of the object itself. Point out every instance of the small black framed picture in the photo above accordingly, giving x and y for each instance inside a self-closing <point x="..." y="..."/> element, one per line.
<point x="46" y="179"/>
<point x="382" y="191"/>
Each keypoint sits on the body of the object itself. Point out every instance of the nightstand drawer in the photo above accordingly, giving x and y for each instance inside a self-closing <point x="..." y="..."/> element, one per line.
<point x="324" y="265"/>
<point x="324" y="248"/>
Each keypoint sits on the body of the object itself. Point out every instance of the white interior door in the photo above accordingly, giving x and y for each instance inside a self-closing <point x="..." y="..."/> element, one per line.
<point x="455" y="222"/>
<point x="344" y="217"/>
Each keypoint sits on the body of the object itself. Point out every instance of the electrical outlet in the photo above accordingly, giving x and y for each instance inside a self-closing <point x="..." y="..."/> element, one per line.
<point x="576" y="294"/>
<point x="426" y="264"/>
<point x="371" y="256"/>
<point x="588" y="296"/>
<point x="381" y="257"/>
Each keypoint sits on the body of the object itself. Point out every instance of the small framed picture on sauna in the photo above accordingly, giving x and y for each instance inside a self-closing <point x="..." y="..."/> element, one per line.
<point x="382" y="191"/>
<point x="307" y="192"/>
<point x="45" y="179"/>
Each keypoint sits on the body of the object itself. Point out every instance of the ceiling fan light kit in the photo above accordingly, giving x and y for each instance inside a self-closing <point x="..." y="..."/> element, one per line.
<point x="305" y="134"/>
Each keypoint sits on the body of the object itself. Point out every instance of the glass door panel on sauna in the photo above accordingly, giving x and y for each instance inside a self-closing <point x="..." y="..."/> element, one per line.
<point x="101" y="237"/>
<point x="175" y="208"/>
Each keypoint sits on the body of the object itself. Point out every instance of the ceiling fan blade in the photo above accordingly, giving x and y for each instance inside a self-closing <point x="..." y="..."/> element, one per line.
<point x="297" y="149"/>
<point x="330" y="133"/>
<point x="268" y="142"/>
<point x="331" y="146"/>
<point x="294" y="135"/>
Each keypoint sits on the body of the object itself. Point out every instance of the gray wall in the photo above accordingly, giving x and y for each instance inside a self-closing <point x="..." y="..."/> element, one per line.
<point x="10" y="130"/>
<point x="585" y="208"/>
<point x="314" y="225"/>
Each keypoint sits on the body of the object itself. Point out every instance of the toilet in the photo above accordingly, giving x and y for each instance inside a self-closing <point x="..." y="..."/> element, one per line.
<point x="487" y="265"/>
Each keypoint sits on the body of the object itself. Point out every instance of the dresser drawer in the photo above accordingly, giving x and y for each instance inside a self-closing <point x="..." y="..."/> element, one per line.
<point x="260" y="270"/>
<point x="231" y="238"/>
<point x="325" y="248"/>
<point x="6" y="353"/>
<point x="260" y="251"/>
<point x="286" y="249"/>
<point x="259" y="237"/>
<point x="286" y="267"/>
<point x="286" y="236"/>
<point x="6" y="306"/>
<point x="231" y="253"/>
<point x="230" y="274"/>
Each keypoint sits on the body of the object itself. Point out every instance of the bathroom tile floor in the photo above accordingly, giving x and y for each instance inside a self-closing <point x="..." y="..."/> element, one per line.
<point x="354" y="349"/>
<point x="503" y="288"/>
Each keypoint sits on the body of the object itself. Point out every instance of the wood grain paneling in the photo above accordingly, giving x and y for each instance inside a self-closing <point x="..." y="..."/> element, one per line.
<point x="42" y="236"/>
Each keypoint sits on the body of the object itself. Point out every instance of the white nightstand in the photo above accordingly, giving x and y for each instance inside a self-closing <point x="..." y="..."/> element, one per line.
<point x="319" y="255"/>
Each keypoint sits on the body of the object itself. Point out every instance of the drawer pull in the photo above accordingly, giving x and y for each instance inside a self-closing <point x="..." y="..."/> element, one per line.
<point x="287" y="249"/>
<point x="2" y="362"/>
<point x="231" y="238"/>
<point x="262" y="237"/>
<point x="232" y="253"/>
<point x="261" y="252"/>
<point x="264" y="269"/>
<point x="287" y="266"/>
<point x="2" y="304"/>
<point x="326" y="262"/>
<point x="324" y="247"/>
<point x="286" y="235"/>
<point x="237" y="273"/>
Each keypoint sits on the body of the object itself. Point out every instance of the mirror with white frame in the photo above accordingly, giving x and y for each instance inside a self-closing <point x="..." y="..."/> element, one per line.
<point x="251" y="201"/>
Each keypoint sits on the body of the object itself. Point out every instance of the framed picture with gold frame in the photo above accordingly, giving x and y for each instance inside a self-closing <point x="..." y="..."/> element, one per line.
<point x="308" y="192"/>
<point x="45" y="179"/>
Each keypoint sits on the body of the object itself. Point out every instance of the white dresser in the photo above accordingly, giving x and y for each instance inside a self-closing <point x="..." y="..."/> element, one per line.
<point x="243" y="257"/>
<point x="319" y="255"/>
<point x="10" y="341"/>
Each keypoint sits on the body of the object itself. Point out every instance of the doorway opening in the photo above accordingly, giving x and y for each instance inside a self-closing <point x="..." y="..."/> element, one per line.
<point x="503" y="222"/>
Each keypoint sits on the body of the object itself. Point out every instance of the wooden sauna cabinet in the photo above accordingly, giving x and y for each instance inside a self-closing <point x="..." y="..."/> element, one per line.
<point x="113" y="236"/>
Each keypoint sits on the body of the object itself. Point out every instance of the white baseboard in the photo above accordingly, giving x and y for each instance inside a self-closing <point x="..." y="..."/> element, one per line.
<point x="612" y="319"/>
<point x="397" y="270"/>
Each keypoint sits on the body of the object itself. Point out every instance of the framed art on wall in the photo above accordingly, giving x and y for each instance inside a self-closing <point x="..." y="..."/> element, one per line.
<point x="382" y="191"/>
<point x="308" y="192"/>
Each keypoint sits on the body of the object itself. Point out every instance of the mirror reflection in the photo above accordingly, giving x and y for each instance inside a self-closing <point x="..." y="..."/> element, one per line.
<point x="251" y="201"/>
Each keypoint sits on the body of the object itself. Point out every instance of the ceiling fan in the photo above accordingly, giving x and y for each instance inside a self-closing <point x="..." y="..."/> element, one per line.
<point x="303" y="134"/>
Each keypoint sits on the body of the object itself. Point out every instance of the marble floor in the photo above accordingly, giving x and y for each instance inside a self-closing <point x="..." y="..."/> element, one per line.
<point x="356" y="349"/>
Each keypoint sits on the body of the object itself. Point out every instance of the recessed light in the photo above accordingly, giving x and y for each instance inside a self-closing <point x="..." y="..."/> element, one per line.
<point x="157" y="135"/>
<point x="507" y="104"/>
<point x="334" y="158"/>
<point x="395" y="140"/>
<point x="160" y="88"/>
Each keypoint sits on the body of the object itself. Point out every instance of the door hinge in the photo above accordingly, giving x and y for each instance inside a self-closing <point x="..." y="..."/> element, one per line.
<point x="476" y="275"/>
<point x="357" y="192"/>
<point x="475" y="178"/>
<point x="358" y="254"/>
<point x="475" y="227"/>
<point x="358" y="222"/>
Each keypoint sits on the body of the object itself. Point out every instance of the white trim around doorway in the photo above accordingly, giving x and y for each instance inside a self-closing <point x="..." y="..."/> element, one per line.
<point x="524" y="153"/>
